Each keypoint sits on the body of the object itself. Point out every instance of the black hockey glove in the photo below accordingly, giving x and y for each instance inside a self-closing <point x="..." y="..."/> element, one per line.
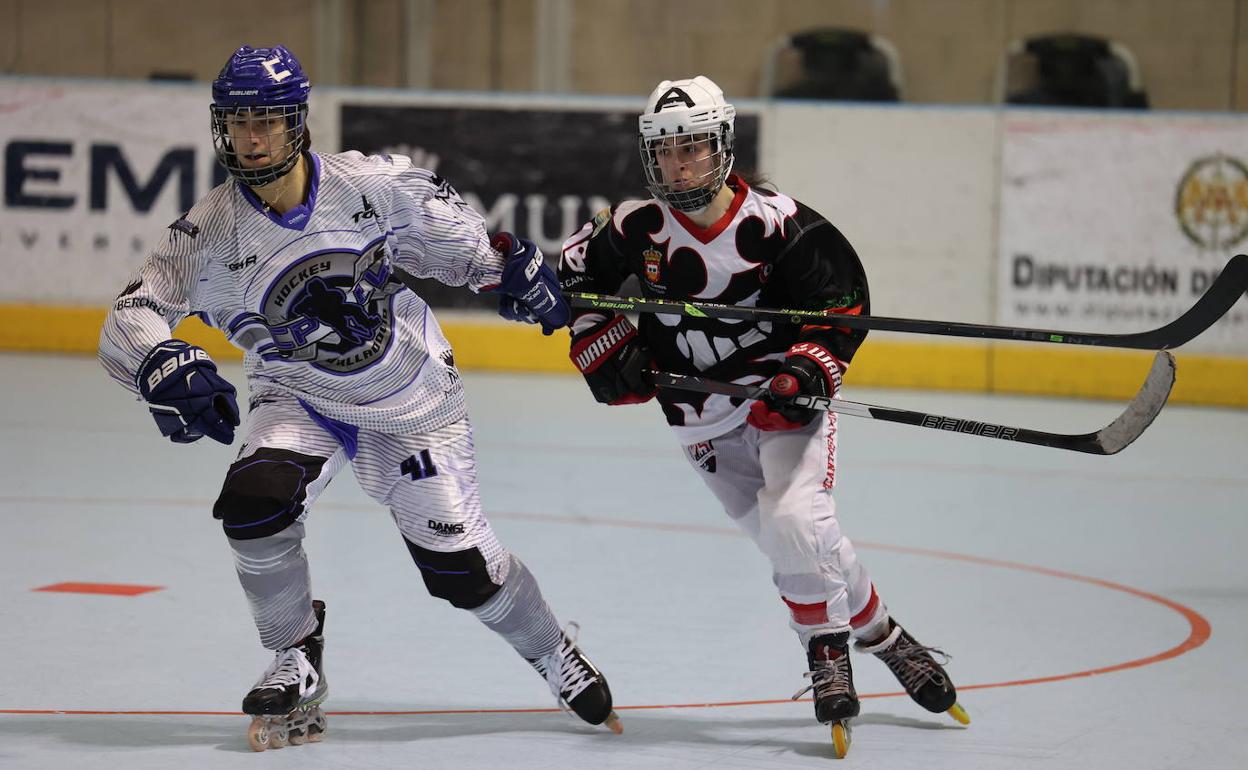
<point x="808" y="370"/>
<point x="529" y="287"/>
<point x="611" y="357"/>
<point x="186" y="396"/>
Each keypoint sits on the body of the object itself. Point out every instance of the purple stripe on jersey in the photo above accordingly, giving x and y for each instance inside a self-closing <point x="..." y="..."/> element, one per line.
<point x="344" y="433"/>
<point x="299" y="216"/>
<point x="244" y="319"/>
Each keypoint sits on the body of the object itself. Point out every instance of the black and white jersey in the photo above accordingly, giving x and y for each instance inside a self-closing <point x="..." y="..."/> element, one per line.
<point x="768" y="250"/>
<point x="310" y="295"/>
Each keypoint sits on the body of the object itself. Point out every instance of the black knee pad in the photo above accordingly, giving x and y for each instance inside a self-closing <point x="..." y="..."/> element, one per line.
<point x="460" y="577"/>
<point x="264" y="492"/>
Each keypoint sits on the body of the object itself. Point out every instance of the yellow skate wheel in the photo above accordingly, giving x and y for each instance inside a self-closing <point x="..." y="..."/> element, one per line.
<point x="959" y="714"/>
<point x="840" y="739"/>
<point x="613" y="723"/>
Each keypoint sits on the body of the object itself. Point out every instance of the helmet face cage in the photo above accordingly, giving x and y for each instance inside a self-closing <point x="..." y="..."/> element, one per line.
<point x="710" y="152"/>
<point x="691" y="119"/>
<point x="282" y="133"/>
<point x="260" y="93"/>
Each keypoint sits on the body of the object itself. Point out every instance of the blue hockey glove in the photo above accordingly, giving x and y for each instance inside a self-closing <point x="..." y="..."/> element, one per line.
<point x="529" y="287"/>
<point x="187" y="397"/>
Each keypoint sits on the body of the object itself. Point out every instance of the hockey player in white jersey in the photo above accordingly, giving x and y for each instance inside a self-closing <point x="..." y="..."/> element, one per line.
<point x="294" y="258"/>
<point x="709" y="235"/>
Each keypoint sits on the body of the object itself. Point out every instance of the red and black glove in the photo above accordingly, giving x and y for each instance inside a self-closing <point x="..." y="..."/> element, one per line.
<point x="611" y="357"/>
<point x="808" y="370"/>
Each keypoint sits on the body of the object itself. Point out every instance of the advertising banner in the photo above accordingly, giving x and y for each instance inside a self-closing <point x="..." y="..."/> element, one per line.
<point x="1118" y="223"/>
<point x="92" y="175"/>
<point x="539" y="173"/>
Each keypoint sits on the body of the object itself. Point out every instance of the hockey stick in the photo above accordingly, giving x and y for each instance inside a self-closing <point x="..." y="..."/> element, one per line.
<point x="1111" y="439"/>
<point x="1225" y="291"/>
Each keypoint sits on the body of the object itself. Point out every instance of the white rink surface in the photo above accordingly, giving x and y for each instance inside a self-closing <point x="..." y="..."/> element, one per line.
<point x="674" y="606"/>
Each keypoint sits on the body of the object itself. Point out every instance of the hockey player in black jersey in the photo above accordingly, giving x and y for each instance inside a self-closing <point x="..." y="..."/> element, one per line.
<point x="708" y="235"/>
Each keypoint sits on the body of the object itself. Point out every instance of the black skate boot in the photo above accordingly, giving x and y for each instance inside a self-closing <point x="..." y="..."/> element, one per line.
<point x="577" y="685"/>
<point x="917" y="670"/>
<point x="285" y="704"/>
<point x="832" y="679"/>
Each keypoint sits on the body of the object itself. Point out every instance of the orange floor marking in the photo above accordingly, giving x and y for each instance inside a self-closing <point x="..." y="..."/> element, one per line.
<point x="114" y="589"/>
<point x="1199" y="632"/>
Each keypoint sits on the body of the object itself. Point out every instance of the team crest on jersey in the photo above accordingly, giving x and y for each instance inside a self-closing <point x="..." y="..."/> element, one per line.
<point x="653" y="261"/>
<point x="703" y="455"/>
<point x="334" y="309"/>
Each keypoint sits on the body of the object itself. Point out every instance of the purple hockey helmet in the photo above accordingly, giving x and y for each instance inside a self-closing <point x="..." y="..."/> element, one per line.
<point x="260" y="91"/>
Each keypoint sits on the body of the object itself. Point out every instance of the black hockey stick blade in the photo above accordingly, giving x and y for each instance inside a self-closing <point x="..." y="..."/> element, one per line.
<point x="1111" y="439"/>
<point x="1225" y="291"/>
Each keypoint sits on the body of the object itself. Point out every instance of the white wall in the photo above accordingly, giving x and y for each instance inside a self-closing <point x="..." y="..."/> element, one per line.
<point x="919" y="191"/>
<point x="913" y="190"/>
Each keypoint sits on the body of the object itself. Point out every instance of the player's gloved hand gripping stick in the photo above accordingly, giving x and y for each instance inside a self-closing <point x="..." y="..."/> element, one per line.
<point x="529" y="287"/>
<point x="186" y="396"/>
<point x="614" y="362"/>
<point x="808" y="370"/>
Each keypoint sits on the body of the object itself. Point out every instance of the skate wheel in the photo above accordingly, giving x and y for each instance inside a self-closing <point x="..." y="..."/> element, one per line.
<point x="613" y="723"/>
<point x="296" y="737"/>
<point x="959" y="714"/>
<point x="258" y="734"/>
<point x="318" y="726"/>
<point x="840" y="739"/>
<point x="279" y="734"/>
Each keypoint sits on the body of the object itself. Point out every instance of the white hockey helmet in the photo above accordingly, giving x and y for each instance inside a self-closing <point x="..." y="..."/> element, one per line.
<point x="693" y="108"/>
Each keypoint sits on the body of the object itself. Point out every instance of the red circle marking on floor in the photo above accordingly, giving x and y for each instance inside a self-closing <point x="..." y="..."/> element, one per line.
<point x="1199" y="631"/>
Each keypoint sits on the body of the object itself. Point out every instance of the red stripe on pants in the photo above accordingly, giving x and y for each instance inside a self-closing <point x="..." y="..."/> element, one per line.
<point x="864" y="617"/>
<point x="808" y="614"/>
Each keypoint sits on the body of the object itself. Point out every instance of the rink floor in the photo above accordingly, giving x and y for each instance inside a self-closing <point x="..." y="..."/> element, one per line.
<point x="1095" y="607"/>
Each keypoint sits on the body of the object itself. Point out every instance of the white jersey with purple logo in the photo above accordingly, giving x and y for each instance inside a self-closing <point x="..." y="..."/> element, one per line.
<point x="310" y="296"/>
